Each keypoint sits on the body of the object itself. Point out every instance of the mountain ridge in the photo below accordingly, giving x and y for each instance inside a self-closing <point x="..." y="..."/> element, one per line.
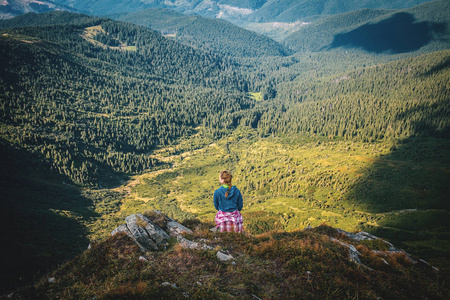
<point x="238" y="11"/>
<point x="13" y="8"/>
<point x="217" y="35"/>
<point x="424" y="27"/>
<point x="277" y="264"/>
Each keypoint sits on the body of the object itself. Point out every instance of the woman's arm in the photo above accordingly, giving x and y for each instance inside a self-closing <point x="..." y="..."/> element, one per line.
<point x="216" y="200"/>
<point x="240" y="201"/>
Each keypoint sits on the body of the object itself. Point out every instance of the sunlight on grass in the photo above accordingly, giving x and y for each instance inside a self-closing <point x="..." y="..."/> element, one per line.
<point x="256" y="96"/>
<point x="300" y="183"/>
<point x="287" y="184"/>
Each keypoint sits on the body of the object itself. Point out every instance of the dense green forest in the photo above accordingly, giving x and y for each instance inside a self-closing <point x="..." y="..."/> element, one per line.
<point x="369" y="104"/>
<point x="208" y="34"/>
<point x="341" y="136"/>
<point x="88" y="99"/>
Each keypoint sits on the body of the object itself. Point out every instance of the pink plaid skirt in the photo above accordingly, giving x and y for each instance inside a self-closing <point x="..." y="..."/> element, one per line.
<point x="227" y="221"/>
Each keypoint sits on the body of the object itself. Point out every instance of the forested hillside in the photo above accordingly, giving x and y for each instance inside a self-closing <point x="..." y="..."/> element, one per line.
<point x="421" y="28"/>
<point x="397" y="100"/>
<point x="93" y="102"/>
<point x="208" y="34"/>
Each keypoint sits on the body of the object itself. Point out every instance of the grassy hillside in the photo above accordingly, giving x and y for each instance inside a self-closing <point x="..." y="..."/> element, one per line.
<point x="421" y="28"/>
<point x="289" y="184"/>
<point x="300" y="265"/>
<point x="390" y="164"/>
<point x="209" y="34"/>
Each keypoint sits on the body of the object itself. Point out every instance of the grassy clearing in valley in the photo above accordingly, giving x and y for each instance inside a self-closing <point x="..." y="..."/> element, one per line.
<point x="289" y="183"/>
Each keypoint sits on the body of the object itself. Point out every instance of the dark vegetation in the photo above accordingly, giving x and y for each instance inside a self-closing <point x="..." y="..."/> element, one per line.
<point x="398" y="34"/>
<point x="42" y="217"/>
<point x="422" y="28"/>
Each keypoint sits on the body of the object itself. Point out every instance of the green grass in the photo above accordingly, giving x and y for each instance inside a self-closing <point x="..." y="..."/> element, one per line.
<point x="256" y="96"/>
<point x="289" y="183"/>
<point x="89" y="34"/>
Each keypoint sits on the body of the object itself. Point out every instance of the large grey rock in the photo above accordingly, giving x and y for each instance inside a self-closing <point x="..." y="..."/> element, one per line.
<point x="359" y="236"/>
<point x="353" y="253"/>
<point x="159" y="236"/>
<point x="185" y="243"/>
<point x="121" y="228"/>
<point x="149" y="236"/>
<point x="223" y="256"/>
<point x="139" y="234"/>
<point x="176" y="228"/>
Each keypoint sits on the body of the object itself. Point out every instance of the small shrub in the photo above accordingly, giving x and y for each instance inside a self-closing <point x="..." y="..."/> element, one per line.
<point x="376" y="244"/>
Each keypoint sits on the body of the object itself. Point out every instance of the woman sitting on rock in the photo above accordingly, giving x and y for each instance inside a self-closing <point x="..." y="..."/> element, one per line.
<point x="228" y="202"/>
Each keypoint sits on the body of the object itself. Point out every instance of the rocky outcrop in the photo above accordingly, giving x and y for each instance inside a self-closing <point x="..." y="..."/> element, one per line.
<point x="150" y="236"/>
<point x="146" y="234"/>
<point x="354" y="254"/>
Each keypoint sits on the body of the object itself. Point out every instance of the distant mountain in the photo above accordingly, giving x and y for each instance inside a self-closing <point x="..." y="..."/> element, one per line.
<point x="49" y="18"/>
<point x="243" y="11"/>
<point x="294" y="10"/>
<point x="209" y="34"/>
<point x="423" y="27"/>
<point x="12" y="8"/>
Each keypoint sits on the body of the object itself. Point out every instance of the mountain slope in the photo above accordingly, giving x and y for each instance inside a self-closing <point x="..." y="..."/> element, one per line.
<point x="216" y="35"/>
<point x="293" y="10"/>
<point x="107" y="93"/>
<point x="41" y="215"/>
<point x="309" y="264"/>
<point x="243" y="11"/>
<point x="12" y="8"/>
<point x="49" y="18"/>
<point x="84" y="100"/>
<point x="424" y="28"/>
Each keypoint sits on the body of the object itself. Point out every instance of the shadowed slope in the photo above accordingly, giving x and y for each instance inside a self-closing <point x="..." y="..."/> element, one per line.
<point x="398" y="34"/>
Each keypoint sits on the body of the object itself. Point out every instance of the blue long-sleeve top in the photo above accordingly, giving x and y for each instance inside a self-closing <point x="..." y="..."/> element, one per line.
<point x="231" y="203"/>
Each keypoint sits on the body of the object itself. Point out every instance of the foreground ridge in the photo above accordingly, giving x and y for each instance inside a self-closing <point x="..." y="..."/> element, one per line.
<point x="154" y="256"/>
